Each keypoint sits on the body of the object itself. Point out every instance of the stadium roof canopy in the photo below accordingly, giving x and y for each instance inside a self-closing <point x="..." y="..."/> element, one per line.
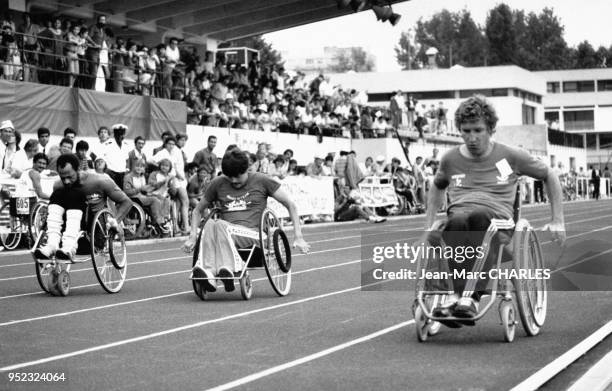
<point x="220" y="20"/>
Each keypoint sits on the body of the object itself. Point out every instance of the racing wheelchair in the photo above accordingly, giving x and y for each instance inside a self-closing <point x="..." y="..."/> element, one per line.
<point x="21" y="217"/>
<point x="97" y="242"/>
<point x="519" y="249"/>
<point x="272" y="253"/>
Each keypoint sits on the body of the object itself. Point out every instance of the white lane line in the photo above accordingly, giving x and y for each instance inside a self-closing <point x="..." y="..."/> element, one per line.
<point x="12" y="322"/>
<point x="536" y="380"/>
<point x="270" y="371"/>
<point x="173" y="330"/>
<point x="597" y="378"/>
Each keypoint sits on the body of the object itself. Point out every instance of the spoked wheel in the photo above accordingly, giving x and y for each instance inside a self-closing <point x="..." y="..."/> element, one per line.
<point x="508" y="318"/>
<point x="276" y="252"/>
<point x="10" y="233"/>
<point x="197" y="288"/>
<point x="38" y="219"/>
<point x="421" y="323"/>
<point x="108" y="253"/>
<point x="63" y="283"/>
<point x="246" y="286"/>
<point x="433" y="302"/>
<point x="531" y="294"/>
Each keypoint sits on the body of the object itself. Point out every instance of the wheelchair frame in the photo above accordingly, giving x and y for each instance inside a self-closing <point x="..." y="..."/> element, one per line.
<point x="531" y="301"/>
<point x="22" y="224"/>
<point x="273" y="250"/>
<point x="108" y="255"/>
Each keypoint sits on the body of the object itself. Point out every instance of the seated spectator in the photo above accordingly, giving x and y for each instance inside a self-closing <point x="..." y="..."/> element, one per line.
<point x="23" y="159"/>
<point x="31" y="177"/>
<point x="197" y="185"/>
<point x="82" y="152"/>
<point x="328" y="166"/>
<point x="348" y="206"/>
<point x="262" y="164"/>
<point x="100" y="166"/>
<point x="277" y="169"/>
<point x="135" y="186"/>
<point x="292" y="169"/>
<point x="43" y="139"/>
<point x="136" y="154"/>
<point x="160" y="181"/>
<point x="315" y="169"/>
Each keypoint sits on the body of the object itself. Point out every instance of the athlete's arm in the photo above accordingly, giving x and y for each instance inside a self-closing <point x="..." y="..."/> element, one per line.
<point x="284" y="199"/>
<point x="122" y="201"/>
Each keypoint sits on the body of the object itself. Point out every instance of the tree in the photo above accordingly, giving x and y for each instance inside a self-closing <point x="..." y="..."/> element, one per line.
<point x="501" y="34"/>
<point x="471" y="43"/>
<point x="267" y="54"/>
<point x="438" y="32"/>
<point x="406" y="52"/>
<point x="604" y="57"/>
<point x="585" y="56"/>
<point x="356" y="60"/>
<point x="541" y="44"/>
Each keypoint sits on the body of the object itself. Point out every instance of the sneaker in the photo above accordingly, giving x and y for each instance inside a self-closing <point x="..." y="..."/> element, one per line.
<point x="445" y="310"/>
<point x="204" y="278"/>
<point x="43" y="252"/>
<point x="228" y="279"/>
<point x="466" y="308"/>
<point x="65" y="254"/>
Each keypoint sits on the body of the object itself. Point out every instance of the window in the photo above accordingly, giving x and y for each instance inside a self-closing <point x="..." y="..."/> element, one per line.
<point x="604" y="85"/>
<point x="552" y="87"/>
<point x="605" y="140"/>
<point x="485" y="92"/>
<point x="579" y="86"/>
<point x="552" y="119"/>
<point x="579" y="120"/>
<point x="591" y="139"/>
<point x="528" y="115"/>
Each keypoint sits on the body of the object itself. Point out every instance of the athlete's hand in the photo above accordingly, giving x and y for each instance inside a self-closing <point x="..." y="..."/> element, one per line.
<point x="558" y="231"/>
<point x="188" y="245"/>
<point x="302" y="245"/>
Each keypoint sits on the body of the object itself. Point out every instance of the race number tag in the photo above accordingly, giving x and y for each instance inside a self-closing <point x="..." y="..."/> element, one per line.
<point x="504" y="168"/>
<point x="23" y="206"/>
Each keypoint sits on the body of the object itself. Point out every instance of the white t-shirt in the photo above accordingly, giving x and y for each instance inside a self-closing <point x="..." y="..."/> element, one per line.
<point x="21" y="161"/>
<point x="172" y="55"/>
<point x="116" y="158"/>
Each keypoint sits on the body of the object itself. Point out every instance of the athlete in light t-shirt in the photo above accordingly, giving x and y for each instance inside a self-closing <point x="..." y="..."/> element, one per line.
<point x="481" y="177"/>
<point x="243" y="197"/>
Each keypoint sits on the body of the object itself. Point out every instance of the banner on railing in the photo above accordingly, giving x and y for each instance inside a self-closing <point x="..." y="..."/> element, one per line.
<point x="311" y="195"/>
<point x="376" y="193"/>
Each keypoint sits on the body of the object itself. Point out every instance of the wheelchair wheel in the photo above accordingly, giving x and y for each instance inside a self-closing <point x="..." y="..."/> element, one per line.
<point x="214" y="214"/>
<point x="246" y="286"/>
<point x="63" y="283"/>
<point x="508" y="318"/>
<point x="108" y="253"/>
<point x="135" y="221"/>
<point x="270" y="241"/>
<point x="38" y="219"/>
<point x="531" y="294"/>
<point x="11" y="235"/>
<point x="421" y="323"/>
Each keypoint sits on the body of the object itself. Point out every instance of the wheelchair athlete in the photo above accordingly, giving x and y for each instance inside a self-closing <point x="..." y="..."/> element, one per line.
<point x="72" y="195"/>
<point x="243" y="198"/>
<point x="481" y="176"/>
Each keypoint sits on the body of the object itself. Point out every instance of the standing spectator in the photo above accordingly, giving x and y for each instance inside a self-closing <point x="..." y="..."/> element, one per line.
<point x="181" y="140"/>
<point x="441" y="117"/>
<point x="595" y="180"/>
<point x="164" y="136"/>
<point x="421" y="121"/>
<point x="116" y="154"/>
<point x="11" y="67"/>
<point x="85" y="162"/>
<point x="417" y="171"/>
<point x="206" y="158"/>
<point x="366" y="124"/>
<point x="197" y="185"/>
<point x="43" y="139"/>
<point x="606" y="174"/>
<point x="328" y="164"/>
<point x="99" y="38"/>
<point x="98" y="150"/>
<point x="173" y="58"/>
<point x="75" y="41"/>
<point x="70" y="133"/>
<point x="30" y="46"/>
<point x="136" y="154"/>
<point x="195" y="108"/>
<point x="65" y="147"/>
<point x="411" y="106"/>
<point x="23" y="158"/>
<point x="397" y="105"/>
<point x="59" y="60"/>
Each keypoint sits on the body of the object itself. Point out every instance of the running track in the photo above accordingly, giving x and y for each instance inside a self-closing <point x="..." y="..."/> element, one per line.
<point x="326" y="335"/>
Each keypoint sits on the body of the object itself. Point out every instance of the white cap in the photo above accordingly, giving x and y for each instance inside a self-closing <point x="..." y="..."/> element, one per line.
<point x="7" y="124"/>
<point x="229" y="96"/>
<point x="119" y="126"/>
<point x="380" y="158"/>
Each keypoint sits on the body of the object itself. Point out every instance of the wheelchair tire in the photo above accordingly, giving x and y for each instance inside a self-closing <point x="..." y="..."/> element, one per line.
<point x="246" y="286"/>
<point x="108" y="253"/>
<point x="42" y="274"/>
<point x="282" y="250"/>
<point x="63" y="283"/>
<point x="421" y="324"/>
<point x="531" y="295"/>
<point x="10" y="240"/>
<point x="508" y="318"/>
<point x="280" y="281"/>
<point x="38" y="219"/>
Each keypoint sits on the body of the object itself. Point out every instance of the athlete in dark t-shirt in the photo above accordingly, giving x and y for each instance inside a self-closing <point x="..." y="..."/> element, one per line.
<point x="481" y="176"/>
<point x="243" y="198"/>
<point x="72" y="194"/>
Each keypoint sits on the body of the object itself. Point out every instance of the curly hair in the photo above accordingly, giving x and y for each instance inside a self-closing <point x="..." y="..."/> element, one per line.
<point x="475" y="108"/>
